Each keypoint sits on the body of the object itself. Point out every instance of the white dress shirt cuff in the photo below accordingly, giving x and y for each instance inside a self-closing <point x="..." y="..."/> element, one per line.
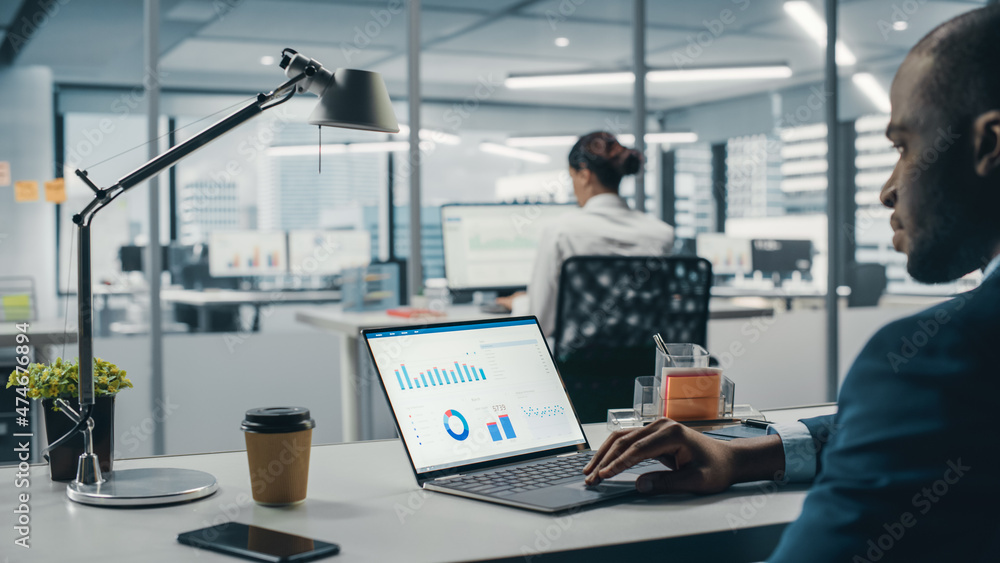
<point x="800" y="451"/>
<point x="521" y="306"/>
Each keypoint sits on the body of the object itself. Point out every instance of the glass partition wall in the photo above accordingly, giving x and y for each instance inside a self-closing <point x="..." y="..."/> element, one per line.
<point x="737" y="160"/>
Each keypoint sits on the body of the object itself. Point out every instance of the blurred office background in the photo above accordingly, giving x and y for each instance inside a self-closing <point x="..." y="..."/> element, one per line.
<point x="737" y="164"/>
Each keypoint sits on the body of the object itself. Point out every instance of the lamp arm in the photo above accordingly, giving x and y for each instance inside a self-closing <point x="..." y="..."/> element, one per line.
<point x="178" y="152"/>
<point x="103" y="197"/>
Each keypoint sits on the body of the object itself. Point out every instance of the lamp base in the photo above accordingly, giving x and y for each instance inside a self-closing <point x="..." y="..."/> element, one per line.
<point x="145" y="487"/>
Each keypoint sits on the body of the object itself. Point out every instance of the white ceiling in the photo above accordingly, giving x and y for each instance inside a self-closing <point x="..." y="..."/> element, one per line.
<point x="467" y="43"/>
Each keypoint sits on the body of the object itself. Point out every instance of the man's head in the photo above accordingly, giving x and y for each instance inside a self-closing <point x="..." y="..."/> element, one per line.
<point x="945" y="189"/>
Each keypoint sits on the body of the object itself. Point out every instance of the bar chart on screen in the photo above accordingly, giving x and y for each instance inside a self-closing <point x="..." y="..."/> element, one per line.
<point x="445" y="374"/>
<point x="508" y="429"/>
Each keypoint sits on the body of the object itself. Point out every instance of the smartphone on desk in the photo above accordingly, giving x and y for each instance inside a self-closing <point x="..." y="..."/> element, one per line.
<point x="258" y="544"/>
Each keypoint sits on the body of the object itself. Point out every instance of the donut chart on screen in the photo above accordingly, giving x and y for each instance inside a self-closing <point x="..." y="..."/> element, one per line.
<point x="465" y="424"/>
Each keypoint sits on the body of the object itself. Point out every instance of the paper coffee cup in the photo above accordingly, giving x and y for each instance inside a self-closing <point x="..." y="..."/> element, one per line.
<point x="278" y="443"/>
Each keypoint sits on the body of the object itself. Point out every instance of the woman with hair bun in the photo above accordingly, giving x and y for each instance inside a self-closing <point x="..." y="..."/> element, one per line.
<point x="604" y="224"/>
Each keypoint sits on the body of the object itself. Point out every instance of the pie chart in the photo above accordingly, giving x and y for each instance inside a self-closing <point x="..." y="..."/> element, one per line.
<point x="448" y="424"/>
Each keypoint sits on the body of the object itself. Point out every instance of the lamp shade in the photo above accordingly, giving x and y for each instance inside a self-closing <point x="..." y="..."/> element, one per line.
<point x="355" y="99"/>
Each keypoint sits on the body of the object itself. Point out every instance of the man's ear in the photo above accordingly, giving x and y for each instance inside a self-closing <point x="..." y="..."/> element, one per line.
<point x="986" y="142"/>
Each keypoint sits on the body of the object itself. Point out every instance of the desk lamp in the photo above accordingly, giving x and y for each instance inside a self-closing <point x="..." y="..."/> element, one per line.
<point x="351" y="99"/>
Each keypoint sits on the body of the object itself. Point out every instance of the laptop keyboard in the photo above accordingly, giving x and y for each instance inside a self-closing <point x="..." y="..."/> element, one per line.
<point x="520" y="479"/>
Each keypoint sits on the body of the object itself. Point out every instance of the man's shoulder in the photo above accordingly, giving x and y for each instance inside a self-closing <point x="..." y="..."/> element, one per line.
<point x="961" y="332"/>
<point x="973" y="311"/>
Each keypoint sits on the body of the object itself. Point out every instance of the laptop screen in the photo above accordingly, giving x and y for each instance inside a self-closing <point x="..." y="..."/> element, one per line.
<point x="473" y="392"/>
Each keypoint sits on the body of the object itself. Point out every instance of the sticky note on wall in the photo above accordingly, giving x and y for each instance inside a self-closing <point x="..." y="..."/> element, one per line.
<point x="4" y="173"/>
<point x="26" y="190"/>
<point x="55" y="191"/>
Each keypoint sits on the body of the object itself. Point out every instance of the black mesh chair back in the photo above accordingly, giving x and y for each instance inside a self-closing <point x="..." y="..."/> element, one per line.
<point x="607" y="311"/>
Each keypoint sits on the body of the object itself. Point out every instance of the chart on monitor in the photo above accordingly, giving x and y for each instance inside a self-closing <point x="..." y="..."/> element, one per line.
<point x="324" y="253"/>
<point x="247" y="253"/>
<point x="493" y="246"/>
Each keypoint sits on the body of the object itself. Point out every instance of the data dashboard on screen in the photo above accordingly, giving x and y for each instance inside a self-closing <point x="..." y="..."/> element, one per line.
<point x="247" y="253"/>
<point x="474" y="392"/>
<point x="324" y="253"/>
<point x="728" y="255"/>
<point x="494" y="245"/>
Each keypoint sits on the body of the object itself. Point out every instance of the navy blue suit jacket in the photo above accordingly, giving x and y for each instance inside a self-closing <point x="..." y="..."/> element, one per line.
<point x="909" y="467"/>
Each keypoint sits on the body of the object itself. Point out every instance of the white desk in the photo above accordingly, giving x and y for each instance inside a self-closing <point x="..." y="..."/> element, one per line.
<point x="358" y="384"/>
<point x="363" y="496"/>
<point x="206" y="299"/>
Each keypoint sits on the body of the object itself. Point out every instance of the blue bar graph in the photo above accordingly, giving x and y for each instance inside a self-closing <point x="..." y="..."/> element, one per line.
<point x="494" y="433"/>
<point x="437" y="376"/>
<point x="408" y="384"/>
<point x="508" y="428"/>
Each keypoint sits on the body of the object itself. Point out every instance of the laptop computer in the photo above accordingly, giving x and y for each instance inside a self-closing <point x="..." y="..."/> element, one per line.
<point x="483" y="413"/>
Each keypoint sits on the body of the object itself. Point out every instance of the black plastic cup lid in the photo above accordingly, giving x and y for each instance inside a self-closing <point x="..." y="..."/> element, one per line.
<point x="273" y="420"/>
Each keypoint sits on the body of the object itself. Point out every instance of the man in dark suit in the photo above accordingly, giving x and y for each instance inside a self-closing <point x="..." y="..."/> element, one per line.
<point x="907" y="470"/>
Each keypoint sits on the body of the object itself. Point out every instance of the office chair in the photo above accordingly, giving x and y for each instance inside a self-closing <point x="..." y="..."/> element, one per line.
<point x="608" y="309"/>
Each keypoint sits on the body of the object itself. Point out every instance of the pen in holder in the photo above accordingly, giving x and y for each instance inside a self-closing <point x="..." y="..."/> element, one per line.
<point x="686" y="388"/>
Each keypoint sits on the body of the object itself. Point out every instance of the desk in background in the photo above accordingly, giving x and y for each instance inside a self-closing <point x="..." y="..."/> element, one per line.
<point x="788" y="294"/>
<point x="358" y="383"/>
<point x="206" y="300"/>
<point x="364" y="497"/>
<point x="41" y="334"/>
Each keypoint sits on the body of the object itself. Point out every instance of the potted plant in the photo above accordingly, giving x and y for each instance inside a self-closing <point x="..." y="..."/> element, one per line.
<point x="59" y="380"/>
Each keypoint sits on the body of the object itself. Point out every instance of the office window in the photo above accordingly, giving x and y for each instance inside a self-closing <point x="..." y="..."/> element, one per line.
<point x="753" y="172"/>
<point x="107" y="146"/>
<point x="694" y="207"/>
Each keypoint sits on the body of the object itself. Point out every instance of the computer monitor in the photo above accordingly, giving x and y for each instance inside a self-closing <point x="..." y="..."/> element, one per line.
<point x="133" y="258"/>
<point x="247" y="253"/>
<point x="325" y="253"/>
<point x="782" y="257"/>
<point x="729" y="255"/>
<point x="493" y="246"/>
